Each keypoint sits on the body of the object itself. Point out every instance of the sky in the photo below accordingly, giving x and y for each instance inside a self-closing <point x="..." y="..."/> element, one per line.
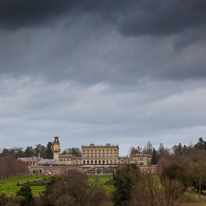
<point x="109" y="71"/>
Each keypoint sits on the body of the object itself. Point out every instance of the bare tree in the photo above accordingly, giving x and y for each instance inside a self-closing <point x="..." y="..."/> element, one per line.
<point x="73" y="151"/>
<point x="74" y="189"/>
<point x="135" y="150"/>
<point x="163" y="162"/>
<point x="197" y="167"/>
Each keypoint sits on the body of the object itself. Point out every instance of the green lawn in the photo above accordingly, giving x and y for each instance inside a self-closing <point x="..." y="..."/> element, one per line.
<point x="102" y="179"/>
<point x="10" y="186"/>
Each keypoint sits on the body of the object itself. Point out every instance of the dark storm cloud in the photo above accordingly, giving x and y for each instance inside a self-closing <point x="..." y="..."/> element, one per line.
<point x="133" y="18"/>
<point x="27" y="13"/>
<point x="162" y="18"/>
<point x="16" y="14"/>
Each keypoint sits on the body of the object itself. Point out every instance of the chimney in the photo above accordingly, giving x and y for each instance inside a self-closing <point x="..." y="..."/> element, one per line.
<point x="39" y="156"/>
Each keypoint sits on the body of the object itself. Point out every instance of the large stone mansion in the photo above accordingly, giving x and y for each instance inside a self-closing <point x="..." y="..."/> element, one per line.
<point x="98" y="155"/>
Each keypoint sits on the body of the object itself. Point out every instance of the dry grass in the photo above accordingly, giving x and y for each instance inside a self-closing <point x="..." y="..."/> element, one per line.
<point x="192" y="199"/>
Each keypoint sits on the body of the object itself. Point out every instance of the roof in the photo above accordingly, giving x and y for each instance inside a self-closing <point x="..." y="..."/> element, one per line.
<point x="29" y="160"/>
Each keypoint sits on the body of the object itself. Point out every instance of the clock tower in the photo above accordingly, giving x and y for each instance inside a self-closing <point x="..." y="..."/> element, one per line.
<point x="56" y="148"/>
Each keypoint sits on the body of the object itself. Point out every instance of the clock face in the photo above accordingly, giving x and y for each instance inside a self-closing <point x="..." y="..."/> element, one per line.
<point x="55" y="146"/>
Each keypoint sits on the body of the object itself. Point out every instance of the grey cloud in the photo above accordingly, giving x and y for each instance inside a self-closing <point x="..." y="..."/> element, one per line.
<point x="38" y="109"/>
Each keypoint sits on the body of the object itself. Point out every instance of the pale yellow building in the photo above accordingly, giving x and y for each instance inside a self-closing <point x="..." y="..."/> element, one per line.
<point x="98" y="155"/>
<point x="140" y="159"/>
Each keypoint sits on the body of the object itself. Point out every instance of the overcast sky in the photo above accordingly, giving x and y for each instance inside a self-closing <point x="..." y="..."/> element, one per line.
<point x="102" y="71"/>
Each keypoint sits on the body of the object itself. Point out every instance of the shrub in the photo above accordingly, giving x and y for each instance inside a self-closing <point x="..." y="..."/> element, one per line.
<point x="3" y="199"/>
<point x="25" y="191"/>
<point x="21" y="200"/>
<point x="175" y="172"/>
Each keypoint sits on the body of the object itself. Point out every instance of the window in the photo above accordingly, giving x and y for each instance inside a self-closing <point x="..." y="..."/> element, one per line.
<point x="107" y="161"/>
<point x="91" y="155"/>
<point x="95" y="155"/>
<point x="91" y="162"/>
<point x="88" y="155"/>
<point x="99" y="150"/>
<point x="83" y="150"/>
<point x="95" y="150"/>
<point x="83" y="155"/>
<point x="88" y="162"/>
<point x="111" y="150"/>
<point x="107" y="155"/>
<point x="99" y="155"/>
<point x="115" y="150"/>
<point x="111" y="155"/>
<point x="103" y="155"/>
<point x="95" y="162"/>
<point x="91" y="150"/>
<point x="103" y="150"/>
<point x="114" y="154"/>
<point x="103" y="162"/>
<point x="99" y="161"/>
<point x="84" y="162"/>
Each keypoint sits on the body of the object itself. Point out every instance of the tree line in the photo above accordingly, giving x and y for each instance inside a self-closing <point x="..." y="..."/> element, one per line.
<point x="45" y="152"/>
<point x="16" y="152"/>
<point x="165" y="151"/>
<point x="11" y="168"/>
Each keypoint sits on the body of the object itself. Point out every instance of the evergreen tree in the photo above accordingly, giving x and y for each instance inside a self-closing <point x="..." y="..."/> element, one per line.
<point x="25" y="191"/>
<point x="29" y="152"/>
<point x="201" y="144"/>
<point x="124" y="180"/>
<point x="154" y="157"/>
<point x="49" y="153"/>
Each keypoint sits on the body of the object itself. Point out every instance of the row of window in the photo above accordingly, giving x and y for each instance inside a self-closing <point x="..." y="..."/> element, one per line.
<point x="99" y="150"/>
<point x="64" y="159"/>
<point x="37" y="172"/>
<point x="103" y="155"/>
<point x="99" y="162"/>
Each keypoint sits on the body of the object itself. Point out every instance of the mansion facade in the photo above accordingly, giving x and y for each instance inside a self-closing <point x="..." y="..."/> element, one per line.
<point x="98" y="155"/>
